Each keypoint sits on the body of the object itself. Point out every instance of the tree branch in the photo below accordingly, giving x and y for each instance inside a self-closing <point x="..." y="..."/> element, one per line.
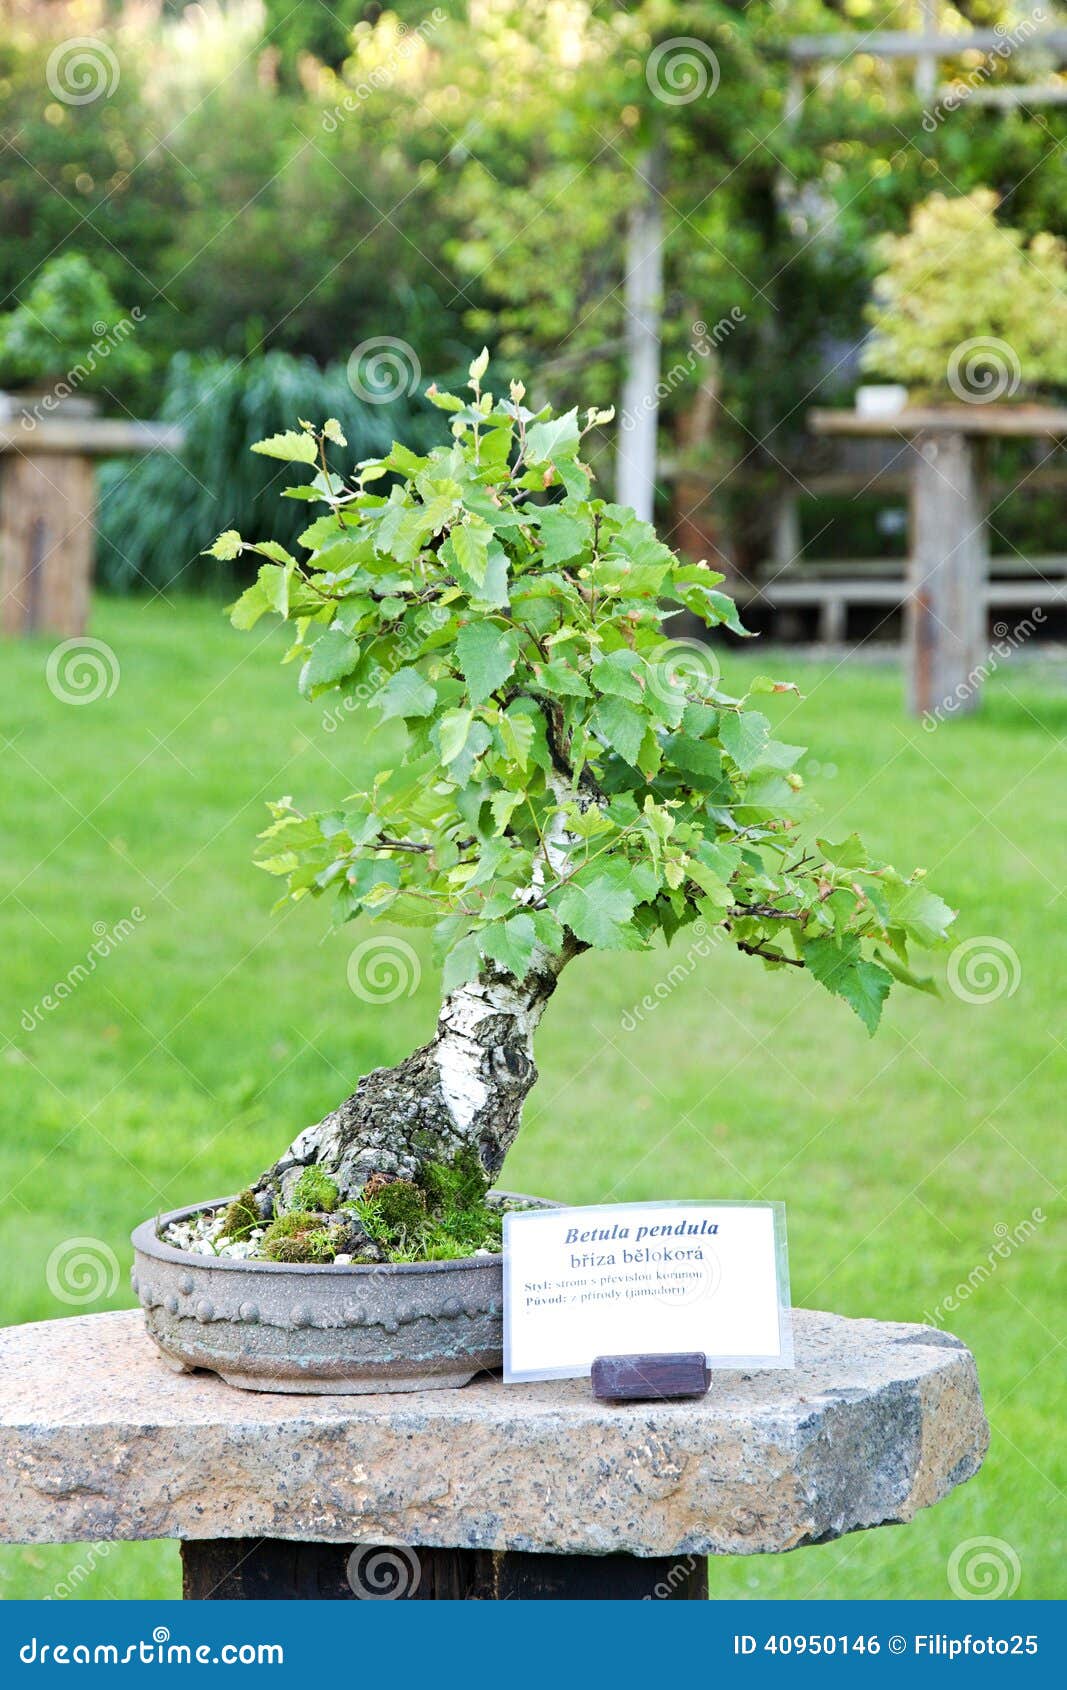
<point x="769" y="956"/>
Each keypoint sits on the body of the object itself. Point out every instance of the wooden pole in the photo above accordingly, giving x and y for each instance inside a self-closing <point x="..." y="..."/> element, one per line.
<point x="948" y="570"/>
<point x="638" y="422"/>
<point x="925" y="74"/>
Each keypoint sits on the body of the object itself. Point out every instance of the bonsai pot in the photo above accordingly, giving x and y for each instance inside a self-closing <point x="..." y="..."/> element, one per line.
<point x="320" y="1329"/>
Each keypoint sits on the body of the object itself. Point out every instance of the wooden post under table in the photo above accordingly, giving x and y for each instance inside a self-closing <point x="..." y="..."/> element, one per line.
<point x="261" y="1569"/>
<point x="48" y="514"/>
<point x="947" y="575"/>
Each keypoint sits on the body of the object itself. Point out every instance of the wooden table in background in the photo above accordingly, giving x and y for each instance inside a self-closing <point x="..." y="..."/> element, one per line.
<point x="47" y="514"/>
<point x="947" y="640"/>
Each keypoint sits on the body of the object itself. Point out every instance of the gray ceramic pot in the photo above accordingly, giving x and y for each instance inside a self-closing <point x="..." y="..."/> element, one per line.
<point x="275" y="1326"/>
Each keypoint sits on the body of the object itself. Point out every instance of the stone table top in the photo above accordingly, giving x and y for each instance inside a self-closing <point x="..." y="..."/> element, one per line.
<point x="100" y="1440"/>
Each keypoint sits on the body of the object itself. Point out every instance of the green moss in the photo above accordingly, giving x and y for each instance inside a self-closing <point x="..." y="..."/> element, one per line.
<point x="300" y="1237"/>
<point x="401" y="1207"/>
<point x="240" y="1217"/>
<point x="441" y="1216"/>
<point x="458" y="1186"/>
<point x="315" y="1190"/>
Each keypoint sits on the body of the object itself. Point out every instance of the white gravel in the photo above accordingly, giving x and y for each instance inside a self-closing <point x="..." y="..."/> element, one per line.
<point x="201" y="1237"/>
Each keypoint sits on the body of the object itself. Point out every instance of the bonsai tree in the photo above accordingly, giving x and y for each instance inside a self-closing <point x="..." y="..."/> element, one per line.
<point x="69" y="328"/>
<point x="572" y="780"/>
<point x="965" y="308"/>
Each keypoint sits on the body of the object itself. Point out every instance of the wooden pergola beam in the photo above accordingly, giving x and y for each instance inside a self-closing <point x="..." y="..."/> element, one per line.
<point x="909" y="44"/>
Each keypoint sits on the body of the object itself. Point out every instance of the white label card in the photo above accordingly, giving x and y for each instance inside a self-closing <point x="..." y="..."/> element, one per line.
<point x="645" y="1278"/>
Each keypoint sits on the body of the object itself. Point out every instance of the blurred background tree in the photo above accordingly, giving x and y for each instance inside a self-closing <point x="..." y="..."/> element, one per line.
<point x="256" y="177"/>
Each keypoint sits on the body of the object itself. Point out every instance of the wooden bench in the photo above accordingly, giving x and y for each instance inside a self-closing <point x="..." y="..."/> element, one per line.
<point x="832" y="586"/>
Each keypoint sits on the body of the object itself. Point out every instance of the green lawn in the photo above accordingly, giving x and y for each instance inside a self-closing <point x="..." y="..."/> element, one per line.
<point x="215" y="1029"/>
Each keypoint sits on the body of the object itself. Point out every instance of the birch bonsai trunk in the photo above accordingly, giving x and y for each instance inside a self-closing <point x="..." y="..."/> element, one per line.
<point x="464" y="1089"/>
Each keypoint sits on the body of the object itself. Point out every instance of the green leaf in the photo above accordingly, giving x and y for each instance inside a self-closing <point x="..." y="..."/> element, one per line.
<point x="562" y="679"/>
<point x="293" y="448"/>
<point x="517" y="731"/>
<point x="247" y="610"/>
<point x="744" y="736"/>
<point x="226" y="547"/>
<point x="471" y="543"/>
<point x="907" y="976"/>
<point x="462" y="963"/>
<point x="510" y="943"/>
<point x="503" y="805"/>
<point x="454" y="728"/>
<point x="622" y="726"/>
<point x="599" y="912"/>
<point x="333" y="656"/>
<point x="274" y="550"/>
<point x="269" y="591"/>
<point x="839" y="965"/>
<point x="698" y="759"/>
<point x="617" y="674"/>
<point x="851" y="853"/>
<point x="487" y="656"/>
<point x="726" y="612"/>
<point x="407" y="693"/>
<point x="563" y="535"/>
<point x="766" y="684"/>
<point x="556" y="438"/>
<point x="924" y="916"/>
<point x="479" y="365"/>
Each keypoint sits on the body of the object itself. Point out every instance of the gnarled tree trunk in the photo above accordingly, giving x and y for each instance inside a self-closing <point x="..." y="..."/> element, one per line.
<point x="465" y="1088"/>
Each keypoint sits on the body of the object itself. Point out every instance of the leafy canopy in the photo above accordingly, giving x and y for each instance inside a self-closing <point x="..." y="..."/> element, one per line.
<point x="572" y="776"/>
<point x="957" y="278"/>
<point x="69" y="324"/>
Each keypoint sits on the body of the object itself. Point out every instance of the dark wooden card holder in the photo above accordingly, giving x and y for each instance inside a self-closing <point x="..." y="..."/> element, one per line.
<point x="650" y="1378"/>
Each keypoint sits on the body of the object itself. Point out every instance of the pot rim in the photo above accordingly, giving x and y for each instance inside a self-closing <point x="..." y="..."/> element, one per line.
<point x="146" y="1239"/>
